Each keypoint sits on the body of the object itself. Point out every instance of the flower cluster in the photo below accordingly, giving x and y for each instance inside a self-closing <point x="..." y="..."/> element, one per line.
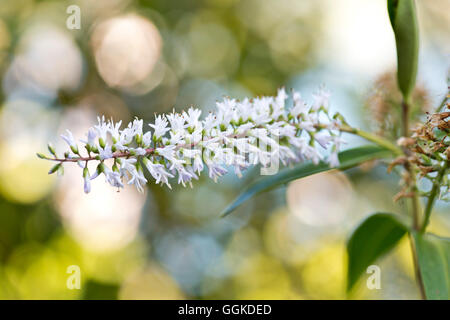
<point x="430" y="152"/>
<point x="263" y="130"/>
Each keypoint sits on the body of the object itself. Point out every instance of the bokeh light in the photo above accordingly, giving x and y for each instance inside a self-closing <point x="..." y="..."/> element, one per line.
<point x="322" y="199"/>
<point x="126" y="49"/>
<point x="137" y="58"/>
<point x="48" y="60"/>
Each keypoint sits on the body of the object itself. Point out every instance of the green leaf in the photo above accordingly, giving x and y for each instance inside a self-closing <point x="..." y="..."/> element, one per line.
<point x="348" y="158"/>
<point x="433" y="254"/>
<point x="374" y="237"/>
<point x="402" y="14"/>
<point x="392" y="8"/>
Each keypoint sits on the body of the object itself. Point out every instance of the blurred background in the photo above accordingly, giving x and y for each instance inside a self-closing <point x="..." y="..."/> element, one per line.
<point x="137" y="58"/>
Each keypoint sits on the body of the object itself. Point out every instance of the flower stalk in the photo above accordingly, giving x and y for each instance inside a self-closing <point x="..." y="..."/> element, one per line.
<point x="373" y="138"/>
<point x="239" y="134"/>
<point x="432" y="196"/>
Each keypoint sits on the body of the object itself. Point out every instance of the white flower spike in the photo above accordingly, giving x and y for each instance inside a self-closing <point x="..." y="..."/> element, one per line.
<point x="239" y="134"/>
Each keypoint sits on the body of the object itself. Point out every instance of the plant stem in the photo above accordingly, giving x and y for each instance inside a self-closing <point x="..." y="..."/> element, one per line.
<point x="126" y="154"/>
<point x="432" y="197"/>
<point x="417" y="268"/>
<point x="118" y="154"/>
<point x="405" y="119"/>
<point x="409" y="168"/>
<point x="373" y="138"/>
<point x="414" y="199"/>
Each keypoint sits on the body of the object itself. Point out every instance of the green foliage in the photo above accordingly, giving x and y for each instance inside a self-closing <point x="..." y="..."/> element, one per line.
<point x="402" y="14"/>
<point x="373" y="238"/>
<point x="433" y="255"/>
<point x="348" y="158"/>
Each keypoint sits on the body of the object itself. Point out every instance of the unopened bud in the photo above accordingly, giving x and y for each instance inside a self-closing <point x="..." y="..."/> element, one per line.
<point x="41" y="155"/>
<point x="100" y="168"/>
<point x="55" y="168"/>
<point x="86" y="173"/>
<point x="138" y="139"/>
<point x="51" y="149"/>
<point x="102" y="143"/>
<point x="74" y="149"/>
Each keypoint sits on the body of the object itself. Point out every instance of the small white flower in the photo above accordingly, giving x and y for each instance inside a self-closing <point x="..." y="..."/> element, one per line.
<point x="323" y="139"/>
<point x="114" y="130"/>
<point x="68" y="138"/>
<point x="321" y="100"/>
<point x="126" y="137"/>
<point x="102" y="129"/>
<point x="192" y="117"/>
<point x="168" y="152"/>
<point x="184" y="176"/>
<point x="216" y="171"/>
<point x="91" y="135"/>
<point x="177" y="122"/>
<point x="112" y="177"/>
<point x="299" y="105"/>
<point x="198" y="165"/>
<point x="176" y="138"/>
<point x="160" y="127"/>
<point x="70" y="141"/>
<point x="158" y="172"/>
<point x="337" y="141"/>
<point x="87" y="185"/>
<point x="210" y="122"/>
<point x="127" y="165"/>
<point x="87" y="181"/>
<point x="279" y="104"/>
<point x="333" y="159"/>
<point x="137" y="127"/>
<point x="106" y="152"/>
<point x="147" y="139"/>
<point x="138" y="179"/>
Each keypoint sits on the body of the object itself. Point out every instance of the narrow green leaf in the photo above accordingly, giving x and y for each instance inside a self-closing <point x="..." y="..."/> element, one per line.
<point x="374" y="237"/>
<point x="392" y="8"/>
<point x="348" y="158"/>
<point x="433" y="254"/>
<point x="402" y="14"/>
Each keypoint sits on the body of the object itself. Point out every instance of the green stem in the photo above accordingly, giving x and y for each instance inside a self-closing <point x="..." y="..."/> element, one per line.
<point x="415" y="201"/>
<point x="405" y="119"/>
<point x="408" y="167"/>
<point x="415" y="198"/>
<point x="432" y="197"/>
<point x="373" y="138"/>
<point x="417" y="268"/>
